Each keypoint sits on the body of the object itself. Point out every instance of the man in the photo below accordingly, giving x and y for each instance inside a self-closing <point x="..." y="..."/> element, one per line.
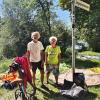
<point x="35" y="55"/>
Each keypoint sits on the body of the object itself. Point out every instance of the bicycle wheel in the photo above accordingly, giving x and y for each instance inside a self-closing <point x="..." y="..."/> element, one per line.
<point x="18" y="94"/>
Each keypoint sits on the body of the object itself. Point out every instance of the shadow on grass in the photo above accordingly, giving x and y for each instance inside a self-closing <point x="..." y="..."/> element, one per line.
<point x="57" y="96"/>
<point x="34" y="98"/>
<point x="50" y="94"/>
<point x="58" y="86"/>
<point x="88" y="96"/>
<point x="95" y="86"/>
<point x="85" y="63"/>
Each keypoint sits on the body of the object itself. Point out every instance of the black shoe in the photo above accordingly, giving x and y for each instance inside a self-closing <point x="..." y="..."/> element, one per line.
<point x="56" y="84"/>
<point x="43" y="86"/>
<point x="33" y="91"/>
<point x="47" y="82"/>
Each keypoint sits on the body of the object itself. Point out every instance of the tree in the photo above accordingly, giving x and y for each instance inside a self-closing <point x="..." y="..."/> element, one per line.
<point x="87" y="23"/>
<point x="21" y="17"/>
<point x="65" y="4"/>
<point x="18" y="23"/>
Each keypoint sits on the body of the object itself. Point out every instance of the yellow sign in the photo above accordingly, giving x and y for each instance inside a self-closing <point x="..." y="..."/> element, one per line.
<point x="82" y="5"/>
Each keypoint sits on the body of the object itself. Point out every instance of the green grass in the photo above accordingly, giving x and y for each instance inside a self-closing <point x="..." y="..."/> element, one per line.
<point x="51" y="92"/>
<point x="88" y="63"/>
<point x="89" y="53"/>
<point x="4" y="64"/>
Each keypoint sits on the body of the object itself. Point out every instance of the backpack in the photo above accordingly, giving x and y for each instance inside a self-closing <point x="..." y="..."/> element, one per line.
<point x="79" y="80"/>
<point x="9" y="85"/>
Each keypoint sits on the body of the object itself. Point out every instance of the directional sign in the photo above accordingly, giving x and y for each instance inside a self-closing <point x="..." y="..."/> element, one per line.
<point x="82" y="5"/>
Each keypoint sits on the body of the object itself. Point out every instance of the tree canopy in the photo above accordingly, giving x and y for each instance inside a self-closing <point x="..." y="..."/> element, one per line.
<point x="87" y="23"/>
<point x="21" y="17"/>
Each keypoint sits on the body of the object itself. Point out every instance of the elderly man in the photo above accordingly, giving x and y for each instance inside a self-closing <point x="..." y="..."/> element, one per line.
<point x="35" y="55"/>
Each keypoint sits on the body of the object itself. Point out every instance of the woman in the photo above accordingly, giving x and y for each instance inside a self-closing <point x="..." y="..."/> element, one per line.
<point x="52" y="58"/>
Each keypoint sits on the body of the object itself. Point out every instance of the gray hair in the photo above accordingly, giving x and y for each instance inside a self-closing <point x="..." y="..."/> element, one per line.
<point x="35" y="33"/>
<point x="52" y="37"/>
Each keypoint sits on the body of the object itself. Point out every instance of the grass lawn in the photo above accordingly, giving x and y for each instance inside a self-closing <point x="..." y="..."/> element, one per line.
<point x="88" y="63"/>
<point x="50" y="92"/>
<point x="89" y="53"/>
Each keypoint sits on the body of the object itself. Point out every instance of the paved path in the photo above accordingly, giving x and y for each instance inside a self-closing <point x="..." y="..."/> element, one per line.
<point x="91" y="77"/>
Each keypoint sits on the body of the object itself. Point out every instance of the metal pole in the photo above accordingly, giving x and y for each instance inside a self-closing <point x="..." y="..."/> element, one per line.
<point x="73" y="36"/>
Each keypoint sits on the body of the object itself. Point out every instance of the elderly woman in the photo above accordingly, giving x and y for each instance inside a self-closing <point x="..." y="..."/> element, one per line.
<point x="35" y="55"/>
<point x="52" y="58"/>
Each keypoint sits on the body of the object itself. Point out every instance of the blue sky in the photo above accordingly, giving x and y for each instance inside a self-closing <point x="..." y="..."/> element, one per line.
<point x="0" y="7"/>
<point x="62" y="15"/>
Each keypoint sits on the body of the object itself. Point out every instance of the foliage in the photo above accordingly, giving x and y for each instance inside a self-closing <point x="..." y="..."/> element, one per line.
<point x="88" y="63"/>
<point x="16" y="24"/>
<point x="83" y="63"/>
<point x="21" y="17"/>
<point x="65" y="4"/>
<point x="64" y="37"/>
<point x="4" y="64"/>
<point x="50" y="92"/>
<point x="88" y="24"/>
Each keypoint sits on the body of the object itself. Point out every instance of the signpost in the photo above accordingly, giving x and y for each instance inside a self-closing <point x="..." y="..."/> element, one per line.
<point x="86" y="7"/>
<point x="82" y="5"/>
<point x="73" y="36"/>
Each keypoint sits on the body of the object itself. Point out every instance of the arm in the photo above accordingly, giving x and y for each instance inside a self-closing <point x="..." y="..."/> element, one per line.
<point x="46" y="56"/>
<point x="28" y="58"/>
<point x="42" y="54"/>
<point x="28" y="55"/>
<point x="28" y="52"/>
<point x="59" y="57"/>
<point x="42" y="58"/>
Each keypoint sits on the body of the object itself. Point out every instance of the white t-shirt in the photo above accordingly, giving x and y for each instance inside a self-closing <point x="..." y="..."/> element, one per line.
<point x="35" y="51"/>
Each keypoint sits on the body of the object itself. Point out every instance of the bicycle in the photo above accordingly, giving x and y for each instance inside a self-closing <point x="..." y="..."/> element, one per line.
<point x="20" y="93"/>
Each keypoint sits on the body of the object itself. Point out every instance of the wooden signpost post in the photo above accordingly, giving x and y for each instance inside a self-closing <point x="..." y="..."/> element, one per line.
<point x="86" y="7"/>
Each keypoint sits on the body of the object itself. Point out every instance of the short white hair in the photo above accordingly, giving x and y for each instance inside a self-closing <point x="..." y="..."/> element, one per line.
<point x="35" y="33"/>
<point x="52" y="37"/>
